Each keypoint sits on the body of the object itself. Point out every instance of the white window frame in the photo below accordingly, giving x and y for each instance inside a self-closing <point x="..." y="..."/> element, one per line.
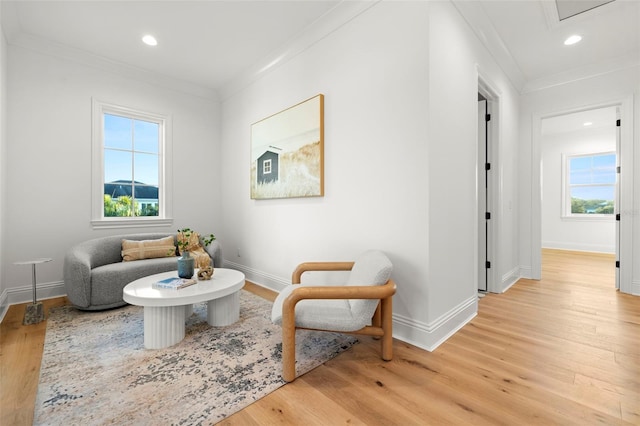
<point x="266" y="167"/>
<point x="566" y="191"/>
<point x="165" y="150"/>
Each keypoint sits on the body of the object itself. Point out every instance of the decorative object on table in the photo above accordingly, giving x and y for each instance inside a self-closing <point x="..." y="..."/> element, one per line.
<point x="174" y="283"/>
<point x="34" y="312"/>
<point x="205" y="273"/>
<point x="287" y="152"/>
<point x="211" y="374"/>
<point x="193" y="253"/>
<point x="186" y="265"/>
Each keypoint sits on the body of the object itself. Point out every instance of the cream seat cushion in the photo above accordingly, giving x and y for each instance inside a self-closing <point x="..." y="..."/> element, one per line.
<point x="370" y="268"/>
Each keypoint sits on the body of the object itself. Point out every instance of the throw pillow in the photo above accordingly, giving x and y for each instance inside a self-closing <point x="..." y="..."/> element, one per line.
<point x="147" y="249"/>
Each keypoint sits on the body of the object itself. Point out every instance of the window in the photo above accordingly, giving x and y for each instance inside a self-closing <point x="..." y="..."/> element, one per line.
<point x="590" y="185"/>
<point x="129" y="167"/>
<point x="266" y="167"/>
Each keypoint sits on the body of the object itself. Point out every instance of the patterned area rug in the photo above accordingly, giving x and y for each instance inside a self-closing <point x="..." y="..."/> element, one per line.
<point x="96" y="371"/>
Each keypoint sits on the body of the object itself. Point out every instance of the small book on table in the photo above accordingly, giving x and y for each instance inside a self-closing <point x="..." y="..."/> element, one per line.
<point x="174" y="283"/>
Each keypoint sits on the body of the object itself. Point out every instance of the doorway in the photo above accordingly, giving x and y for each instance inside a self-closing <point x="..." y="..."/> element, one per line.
<point x="579" y="157"/>
<point x="487" y="190"/>
<point x="624" y="178"/>
<point x="484" y="173"/>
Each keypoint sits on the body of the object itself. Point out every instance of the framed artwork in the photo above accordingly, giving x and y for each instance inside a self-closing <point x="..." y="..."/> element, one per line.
<point x="287" y="152"/>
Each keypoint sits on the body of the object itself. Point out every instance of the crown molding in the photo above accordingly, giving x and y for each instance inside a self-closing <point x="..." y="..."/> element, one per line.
<point x="618" y="64"/>
<point x="338" y="16"/>
<point x="477" y="19"/>
<point x="58" y="50"/>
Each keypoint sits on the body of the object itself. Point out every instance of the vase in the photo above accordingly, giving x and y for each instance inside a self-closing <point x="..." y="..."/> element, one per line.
<point x="185" y="265"/>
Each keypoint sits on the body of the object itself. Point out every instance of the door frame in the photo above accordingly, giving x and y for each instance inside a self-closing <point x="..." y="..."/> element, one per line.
<point x="626" y="154"/>
<point x="492" y="95"/>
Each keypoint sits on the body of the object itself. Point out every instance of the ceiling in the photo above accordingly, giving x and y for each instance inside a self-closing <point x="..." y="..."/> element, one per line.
<point x="534" y="36"/>
<point x="208" y="43"/>
<point x="205" y="43"/>
<point x="598" y="118"/>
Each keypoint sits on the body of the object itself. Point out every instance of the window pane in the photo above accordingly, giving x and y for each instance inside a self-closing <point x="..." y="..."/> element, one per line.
<point x="592" y="199"/>
<point x="594" y="192"/>
<point x="592" y="181"/>
<point x="117" y="132"/>
<point x="117" y="166"/>
<point x="580" y="163"/>
<point x="604" y="176"/>
<point x="592" y="169"/>
<point x="604" y="161"/>
<point x="604" y="168"/>
<point x="146" y="169"/>
<point x="146" y="200"/>
<point x="128" y="167"/>
<point x="579" y="177"/>
<point x="146" y="136"/>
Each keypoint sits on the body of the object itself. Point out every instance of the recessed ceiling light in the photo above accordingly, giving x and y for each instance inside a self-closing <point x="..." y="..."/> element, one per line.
<point x="587" y="123"/>
<point x="572" y="40"/>
<point x="150" y="40"/>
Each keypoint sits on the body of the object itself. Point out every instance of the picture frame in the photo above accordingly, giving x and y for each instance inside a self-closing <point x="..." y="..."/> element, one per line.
<point x="287" y="152"/>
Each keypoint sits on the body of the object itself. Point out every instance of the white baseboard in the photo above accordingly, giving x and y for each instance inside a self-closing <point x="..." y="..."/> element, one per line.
<point x="260" y="278"/>
<point x="525" y="272"/>
<point x="24" y="294"/>
<point x="430" y="336"/>
<point x="635" y="288"/>
<point x="4" y="304"/>
<point x="593" y="248"/>
<point x="422" y="335"/>
<point x="510" y="278"/>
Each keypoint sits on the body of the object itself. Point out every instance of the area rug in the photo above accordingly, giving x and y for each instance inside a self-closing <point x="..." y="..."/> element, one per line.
<point x="95" y="369"/>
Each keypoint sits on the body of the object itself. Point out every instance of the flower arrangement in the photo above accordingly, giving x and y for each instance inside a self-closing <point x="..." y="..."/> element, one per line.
<point x="189" y="239"/>
<point x="191" y="247"/>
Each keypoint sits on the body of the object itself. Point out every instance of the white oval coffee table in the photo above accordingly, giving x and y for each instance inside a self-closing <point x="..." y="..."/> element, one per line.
<point x="165" y="310"/>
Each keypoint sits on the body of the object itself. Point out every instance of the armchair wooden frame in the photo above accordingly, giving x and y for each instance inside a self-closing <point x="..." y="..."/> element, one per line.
<point x="381" y="323"/>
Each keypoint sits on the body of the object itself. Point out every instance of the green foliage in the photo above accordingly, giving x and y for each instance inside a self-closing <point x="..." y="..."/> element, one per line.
<point x="186" y="232"/>
<point x="580" y="206"/>
<point x="148" y="210"/>
<point x="119" y="207"/>
<point x="124" y="206"/>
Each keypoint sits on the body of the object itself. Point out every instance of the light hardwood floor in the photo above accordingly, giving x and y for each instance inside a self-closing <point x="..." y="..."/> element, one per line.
<point x="563" y="350"/>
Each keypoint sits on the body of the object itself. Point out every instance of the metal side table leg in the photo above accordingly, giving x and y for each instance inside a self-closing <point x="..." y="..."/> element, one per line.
<point x="34" y="312"/>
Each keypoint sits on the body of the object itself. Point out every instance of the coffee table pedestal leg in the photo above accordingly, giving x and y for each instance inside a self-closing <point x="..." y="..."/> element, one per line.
<point x="188" y="311"/>
<point x="224" y="311"/>
<point x="163" y="326"/>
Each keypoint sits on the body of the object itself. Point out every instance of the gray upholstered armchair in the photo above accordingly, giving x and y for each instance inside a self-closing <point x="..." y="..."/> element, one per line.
<point x="362" y="306"/>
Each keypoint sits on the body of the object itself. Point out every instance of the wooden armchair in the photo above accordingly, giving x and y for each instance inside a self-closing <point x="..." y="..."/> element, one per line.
<point x="362" y="306"/>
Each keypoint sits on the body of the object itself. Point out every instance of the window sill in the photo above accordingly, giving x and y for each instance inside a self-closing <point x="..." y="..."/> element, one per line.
<point x="130" y="223"/>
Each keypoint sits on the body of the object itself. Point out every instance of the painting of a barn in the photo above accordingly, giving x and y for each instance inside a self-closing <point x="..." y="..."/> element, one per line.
<point x="268" y="164"/>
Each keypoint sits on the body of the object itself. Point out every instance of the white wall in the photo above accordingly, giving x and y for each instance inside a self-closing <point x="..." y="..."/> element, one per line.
<point x="455" y="54"/>
<point x="400" y="155"/>
<point x="3" y="159"/>
<point x="581" y="94"/>
<point x="597" y="235"/>
<point x="48" y="206"/>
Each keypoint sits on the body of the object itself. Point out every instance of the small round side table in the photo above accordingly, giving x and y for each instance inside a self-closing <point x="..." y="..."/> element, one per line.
<point x="34" y="313"/>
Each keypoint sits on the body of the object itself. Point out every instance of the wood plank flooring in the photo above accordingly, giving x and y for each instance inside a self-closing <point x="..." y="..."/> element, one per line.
<point x="562" y="350"/>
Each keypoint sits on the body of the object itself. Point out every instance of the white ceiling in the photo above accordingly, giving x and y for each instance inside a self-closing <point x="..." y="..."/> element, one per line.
<point x="205" y="43"/>
<point x="599" y="118"/>
<point x="210" y="42"/>
<point x="535" y="37"/>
